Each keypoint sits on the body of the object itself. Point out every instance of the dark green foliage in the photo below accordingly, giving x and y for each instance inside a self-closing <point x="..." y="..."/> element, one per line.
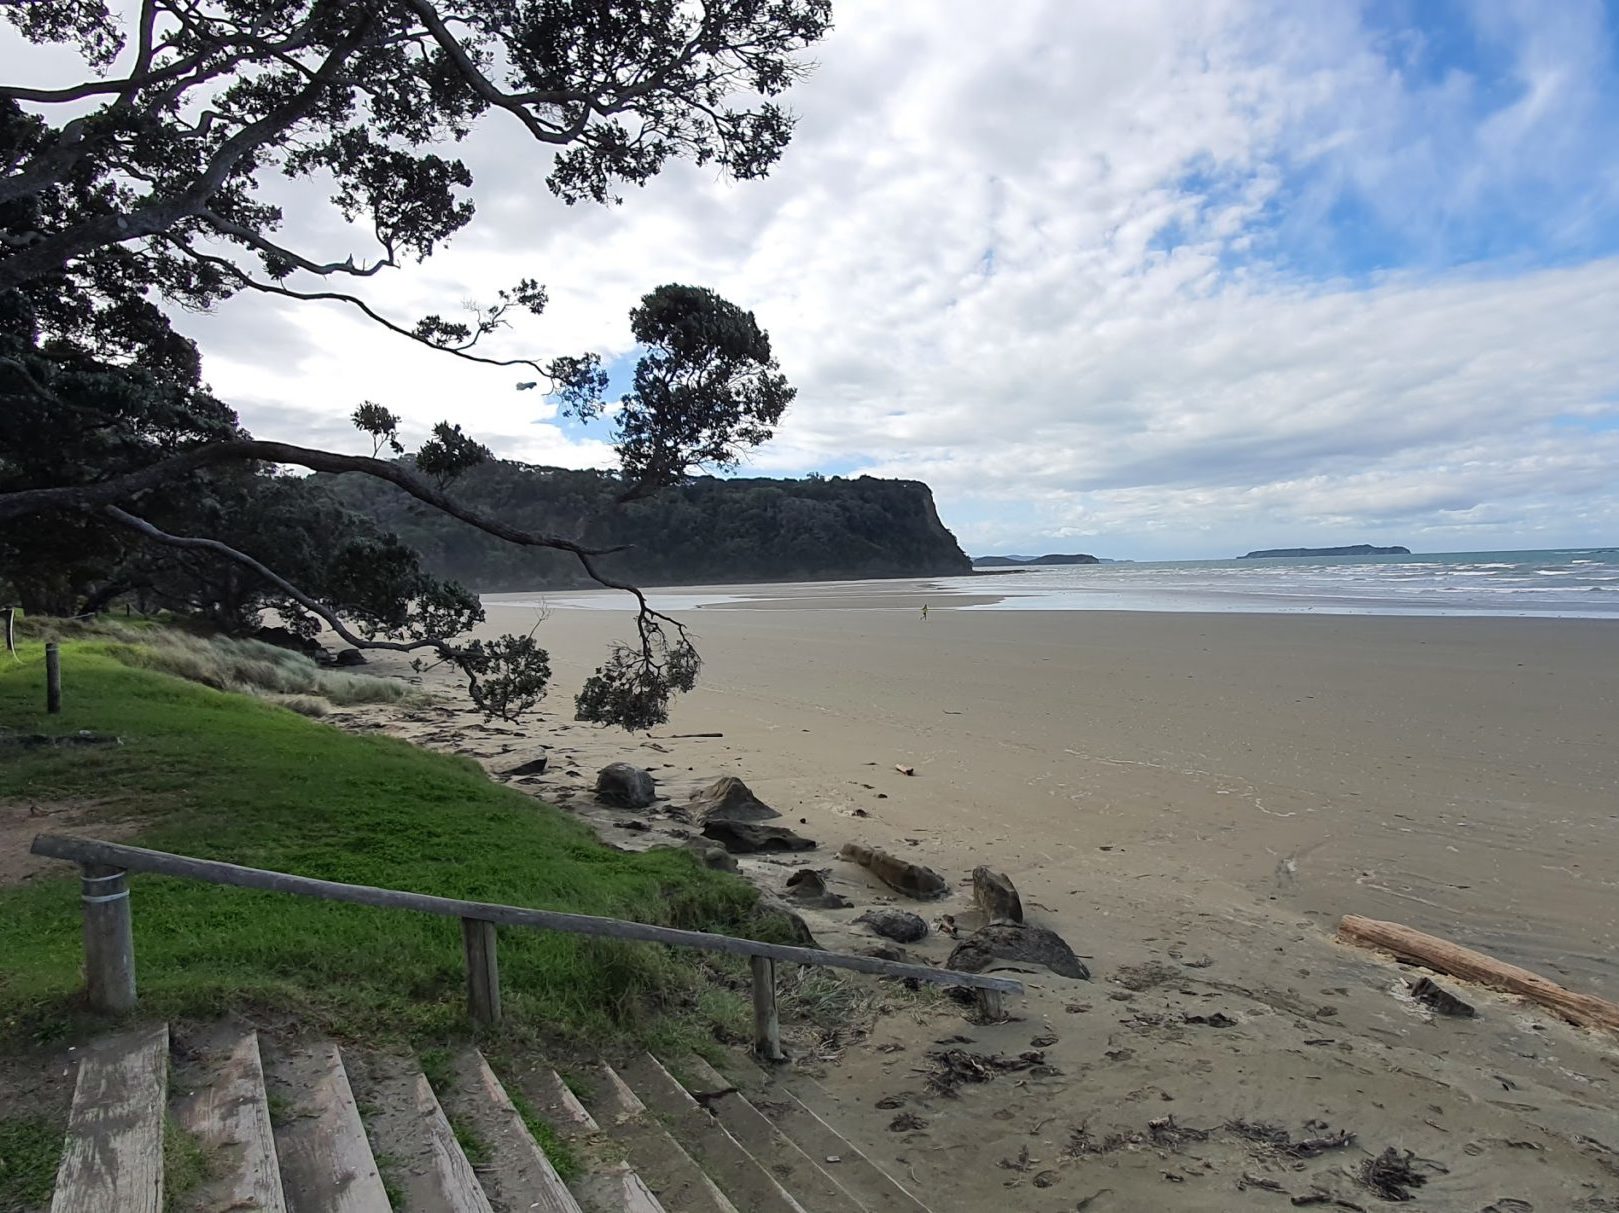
<point x="710" y="530"/>
<point x="706" y="387"/>
<point x="149" y="176"/>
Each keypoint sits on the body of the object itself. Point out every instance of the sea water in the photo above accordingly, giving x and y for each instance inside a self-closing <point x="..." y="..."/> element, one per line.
<point x="1566" y="583"/>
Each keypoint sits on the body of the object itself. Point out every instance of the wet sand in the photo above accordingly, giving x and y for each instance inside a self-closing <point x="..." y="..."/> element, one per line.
<point x="1192" y="801"/>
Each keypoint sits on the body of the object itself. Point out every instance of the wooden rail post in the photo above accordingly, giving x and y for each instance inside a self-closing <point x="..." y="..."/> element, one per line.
<point x="766" y="1025"/>
<point x="990" y="1006"/>
<point x="53" y="678"/>
<point x="483" y="971"/>
<point x="109" y="939"/>
<point x="11" y="630"/>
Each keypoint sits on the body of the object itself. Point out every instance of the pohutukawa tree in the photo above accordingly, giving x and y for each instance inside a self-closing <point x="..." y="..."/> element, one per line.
<point x="150" y="180"/>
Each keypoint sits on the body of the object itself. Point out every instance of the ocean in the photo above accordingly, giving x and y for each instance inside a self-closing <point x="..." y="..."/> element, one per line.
<point x="1580" y="583"/>
<point x="1571" y="583"/>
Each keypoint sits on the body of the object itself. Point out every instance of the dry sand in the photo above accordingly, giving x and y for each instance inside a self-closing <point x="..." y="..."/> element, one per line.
<point x="1192" y="801"/>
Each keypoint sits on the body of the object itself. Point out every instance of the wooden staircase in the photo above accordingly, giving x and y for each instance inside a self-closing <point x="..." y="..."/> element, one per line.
<point x="305" y="1127"/>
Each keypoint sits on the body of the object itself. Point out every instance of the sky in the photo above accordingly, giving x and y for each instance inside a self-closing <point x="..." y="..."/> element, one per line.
<point x="1166" y="279"/>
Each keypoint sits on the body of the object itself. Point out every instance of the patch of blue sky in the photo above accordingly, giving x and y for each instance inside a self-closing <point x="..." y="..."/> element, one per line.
<point x="1439" y="169"/>
<point x="1602" y="423"/>
<point x="620" y="378"/>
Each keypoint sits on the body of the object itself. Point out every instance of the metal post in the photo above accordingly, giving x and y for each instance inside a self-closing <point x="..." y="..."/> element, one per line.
<point x="766" y="1025"/>
<point x="483" y="971"/>
<point x="53" y="678"/>
<point x="109" y="940"/>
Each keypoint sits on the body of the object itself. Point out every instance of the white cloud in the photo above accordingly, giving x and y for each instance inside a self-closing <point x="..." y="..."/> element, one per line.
<point x="1108" y="272"/>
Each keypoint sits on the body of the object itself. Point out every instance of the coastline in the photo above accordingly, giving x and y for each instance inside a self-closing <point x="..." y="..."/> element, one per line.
<point x="1191" y="801"/>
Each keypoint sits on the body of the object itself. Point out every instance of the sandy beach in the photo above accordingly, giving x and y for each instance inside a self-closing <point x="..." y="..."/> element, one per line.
<point x="1192" y="801"/>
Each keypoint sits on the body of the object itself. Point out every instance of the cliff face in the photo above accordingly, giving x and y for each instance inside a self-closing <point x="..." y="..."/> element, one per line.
<point x="708" y="531"/>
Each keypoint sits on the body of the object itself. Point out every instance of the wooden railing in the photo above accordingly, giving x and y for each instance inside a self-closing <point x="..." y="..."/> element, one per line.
<point x="109" y="941"/>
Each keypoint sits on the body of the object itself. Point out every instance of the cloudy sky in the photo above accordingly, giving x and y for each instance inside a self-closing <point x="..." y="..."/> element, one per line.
<point x="1151" y="280"/>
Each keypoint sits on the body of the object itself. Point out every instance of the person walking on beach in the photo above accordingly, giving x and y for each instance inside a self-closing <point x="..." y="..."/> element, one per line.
<point x="924" y="612"/>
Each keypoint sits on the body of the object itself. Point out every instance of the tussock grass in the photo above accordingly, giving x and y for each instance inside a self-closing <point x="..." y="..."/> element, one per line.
<point x="230" y="777"/>
<point x="226" y="663"/>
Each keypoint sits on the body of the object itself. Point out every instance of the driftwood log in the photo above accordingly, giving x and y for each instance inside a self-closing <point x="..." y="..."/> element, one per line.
<point x="1406" y="943"/>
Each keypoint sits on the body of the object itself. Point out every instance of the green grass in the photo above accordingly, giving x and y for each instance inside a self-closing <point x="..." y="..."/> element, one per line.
<point x="224" y="776"/>
<point x="30" y="1148"/>
<point x="473" y="1146"/>
<point x="185" y="1164"/>
<point x="563" y="1158"/>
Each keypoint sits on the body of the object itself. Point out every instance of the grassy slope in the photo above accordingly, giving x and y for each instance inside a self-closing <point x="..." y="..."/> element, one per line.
<point x="227" y="777"/>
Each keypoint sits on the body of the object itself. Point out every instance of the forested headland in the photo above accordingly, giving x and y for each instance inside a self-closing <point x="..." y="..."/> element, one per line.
<point x="708" y="530"/>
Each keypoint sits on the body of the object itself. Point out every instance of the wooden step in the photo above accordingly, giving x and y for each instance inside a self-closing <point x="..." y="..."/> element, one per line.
<point x="810" y="1185"/>
<point x="610" y="1185"/>
<point x="410" y="1136"/>
<point x="738" y="1174"/>
<point x="220" y="1100"/>
<point x="514" y="1172"/>
<point x="113" y="1155"/>
<point x="679" y="1183"/>
<point x="326" y="1161"/>
<point x="877" y="1190"/>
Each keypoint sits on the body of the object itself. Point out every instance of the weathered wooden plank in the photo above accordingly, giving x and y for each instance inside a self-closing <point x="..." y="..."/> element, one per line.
<point x="516" y="1174"/>
<point x="1585" y="1010"/>
<point x="230" y="1117"/>
<point x="326" y="1160"/>
<point x="777" y="1098"/>
<point x="462" y="1192"/>
<point x="670" y="1172"/>
<point x="738" y="1174"/>
<point x="483" y="971"/>
<point x="139" y="859"/>
<point x="811" y="1185"/>
<point x="113" y="1155"/>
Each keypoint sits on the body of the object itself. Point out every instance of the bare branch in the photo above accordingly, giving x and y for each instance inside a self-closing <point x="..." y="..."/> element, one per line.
<point x="312" y="605"/>
<point x="272" y="288"/>
<point x="48" y="255"/>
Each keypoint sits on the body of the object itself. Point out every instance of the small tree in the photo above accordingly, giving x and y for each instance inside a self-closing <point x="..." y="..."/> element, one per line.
<point x="144" y="180"/>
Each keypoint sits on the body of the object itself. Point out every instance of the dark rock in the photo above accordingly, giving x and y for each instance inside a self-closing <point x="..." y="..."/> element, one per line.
<point x="1018" y="944"/>
<point x="285" y="638"/>
<point x="912" y="879"/>
<point x="1431" y="994"/>
<point x="996" y="896"/>
<point x="899" y="925"/>
<point x="798" y="930"/>
<point x="625" y="787"/>
<point x="84" y="738"/>
<point x="885" y="951"/>
<point x="348" y="657"/>
<point x="717" y="858"/>
<point x="534" y="766"/>
<point x="807" y="887"/>
<point x="728" y="799"/>
<point x="742" y="837"/>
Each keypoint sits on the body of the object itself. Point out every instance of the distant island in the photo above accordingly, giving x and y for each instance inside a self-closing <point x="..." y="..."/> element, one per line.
<point x="1003" y="562"/>
<point x="1354" y="549"/>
